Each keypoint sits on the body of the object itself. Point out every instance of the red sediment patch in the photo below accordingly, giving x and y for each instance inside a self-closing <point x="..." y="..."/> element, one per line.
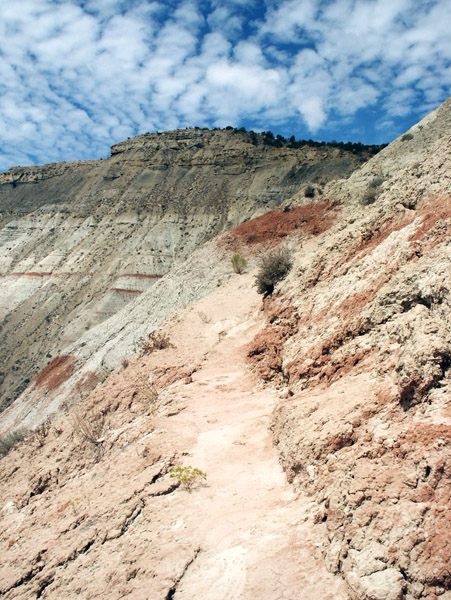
<point x="140" y="275"/>
<point x="31" y="274"/>
<point x="272" y="226"/>
<point x="426" y="434"/>
<point x="352" y="305"/>
<point x="87" y="383"/>
<point x="41" y="274"/>
<point x="56" y="372"/>
<point x="265" y="351"/>
<point x="371" y="238"/>
<point x="434" y="211"/>
<point x="116" y="289"/>
<point x="324" y="368"/>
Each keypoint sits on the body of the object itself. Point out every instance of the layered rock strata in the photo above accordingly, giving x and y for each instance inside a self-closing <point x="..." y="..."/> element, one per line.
<point x="79" y="241"/>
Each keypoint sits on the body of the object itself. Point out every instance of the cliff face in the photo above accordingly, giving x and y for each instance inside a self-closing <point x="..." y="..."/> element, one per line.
<point x="79" y="241"/>
<point x="340" y="378"/>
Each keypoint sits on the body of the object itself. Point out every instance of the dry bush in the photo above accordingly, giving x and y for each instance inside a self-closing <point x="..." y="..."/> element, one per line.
<point x="89" y="428"/>
<point x="376" y="182"/>
<point x="40" y="434"/>
<point x="155" y="341"/>
<point x="148" y="393"/>
<point x="238" y="263"/>
<point x="203" y="317"/>
<point x="273" y="268"/>
<point x="8" y="441"/>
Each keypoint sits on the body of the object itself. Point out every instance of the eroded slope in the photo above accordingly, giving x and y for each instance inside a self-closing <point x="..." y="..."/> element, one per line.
<point x="79" y="241"/>
<point x="361" y="338"/>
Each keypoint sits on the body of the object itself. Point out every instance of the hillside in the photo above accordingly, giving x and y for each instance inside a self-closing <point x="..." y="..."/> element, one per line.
<point x="79" y="241"/>
<point x="321" y="414"/>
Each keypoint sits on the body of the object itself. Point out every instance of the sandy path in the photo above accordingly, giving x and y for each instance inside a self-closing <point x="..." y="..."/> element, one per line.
<point x="254" y="533"/>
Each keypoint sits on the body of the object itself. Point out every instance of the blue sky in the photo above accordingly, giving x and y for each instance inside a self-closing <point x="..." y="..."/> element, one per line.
<point x="79" y="75"/>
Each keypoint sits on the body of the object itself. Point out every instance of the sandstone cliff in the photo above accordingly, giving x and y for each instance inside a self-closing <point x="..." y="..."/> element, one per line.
<point x="341" y="377"/>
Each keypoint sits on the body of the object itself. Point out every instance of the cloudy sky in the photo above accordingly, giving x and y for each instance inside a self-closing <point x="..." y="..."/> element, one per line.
<point x="79" y="75"/>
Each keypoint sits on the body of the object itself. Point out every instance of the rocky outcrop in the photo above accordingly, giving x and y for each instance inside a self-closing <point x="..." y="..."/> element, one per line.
<point x="80" y="241"/>
<point x="360" y="338"/>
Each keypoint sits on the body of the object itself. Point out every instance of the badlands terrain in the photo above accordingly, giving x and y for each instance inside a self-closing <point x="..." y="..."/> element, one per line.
<point x="320" y="414"/>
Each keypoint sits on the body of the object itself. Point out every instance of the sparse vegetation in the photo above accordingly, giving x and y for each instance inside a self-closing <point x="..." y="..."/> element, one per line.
<point x="376" y="182"/>
<point x="149" y="394"/>
<point x="406" y="137"/>
<point x="41" y="433"/>
<point x="369" y="197"/>
<point x="155" y="341"/>
<point x="89" y="428"/>
<point x="203" y="317"/>
<point x="372" y="192"/>
<point x="238" y="263"/>
<point x="309" y="191"/>
<point x="72" y="503"/>
<point x="8" y="441"/>
<point x="188" y="476"/>
<point x="273" y="268"/>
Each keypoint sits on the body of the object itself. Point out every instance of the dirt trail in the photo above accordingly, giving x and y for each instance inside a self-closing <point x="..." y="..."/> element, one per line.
<point x="73" y="526"/>
<point x="254" y="532"/>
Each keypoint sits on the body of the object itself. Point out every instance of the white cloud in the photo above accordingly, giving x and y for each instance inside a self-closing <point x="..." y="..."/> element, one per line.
<point x="77" y="76"/>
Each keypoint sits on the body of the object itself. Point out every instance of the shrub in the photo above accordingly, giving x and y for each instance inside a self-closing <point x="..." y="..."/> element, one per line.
<point x="203" y="317"/>
<point x="155" y="341"/>
<point x="8" y="441"/>
<point x="238" y="263"/>
<point x="89" y="428"/>
<point x="309" y="191"/>
<point x="376" y="182"/>
<point x="369" y="197"/>
<point x="406" y="137"/>
<point x="187" y="476"/>
<point x="41" y="432"/>
<point x="273" y="268"/>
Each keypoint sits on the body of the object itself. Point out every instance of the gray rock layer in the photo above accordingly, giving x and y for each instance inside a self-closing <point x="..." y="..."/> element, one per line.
<point x="81" y="240"/>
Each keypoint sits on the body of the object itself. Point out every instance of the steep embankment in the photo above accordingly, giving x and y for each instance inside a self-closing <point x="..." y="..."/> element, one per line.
<point x="361" y="336"/>
<point x="79" y="241"/>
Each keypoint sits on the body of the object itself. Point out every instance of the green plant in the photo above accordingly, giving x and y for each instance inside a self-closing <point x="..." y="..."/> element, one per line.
<point x="238" y="263"/>
<point x="273" y="268"/>
<point x="406" y="137"/>
<point x="187" y="476"/>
